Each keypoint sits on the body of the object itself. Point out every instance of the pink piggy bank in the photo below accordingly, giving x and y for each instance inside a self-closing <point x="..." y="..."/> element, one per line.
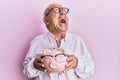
<point x="54" y="59"/>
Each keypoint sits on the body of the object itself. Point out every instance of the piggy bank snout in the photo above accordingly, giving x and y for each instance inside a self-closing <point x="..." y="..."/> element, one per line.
<point x="54" y="65"/>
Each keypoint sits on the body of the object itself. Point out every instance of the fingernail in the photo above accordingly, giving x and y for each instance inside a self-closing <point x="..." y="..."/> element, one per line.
<point x="45" y="70"/>
<point x="43" y="65"/>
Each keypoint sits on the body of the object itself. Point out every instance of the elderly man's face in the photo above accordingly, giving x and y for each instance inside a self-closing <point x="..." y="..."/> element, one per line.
<point x="57" y="22"/>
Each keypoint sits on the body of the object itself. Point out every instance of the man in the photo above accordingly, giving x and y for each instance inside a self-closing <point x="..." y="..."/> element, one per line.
<point x="79" y="62"/>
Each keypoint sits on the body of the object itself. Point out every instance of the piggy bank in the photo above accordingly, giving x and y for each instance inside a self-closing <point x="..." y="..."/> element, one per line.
<point x="54" y="59"/>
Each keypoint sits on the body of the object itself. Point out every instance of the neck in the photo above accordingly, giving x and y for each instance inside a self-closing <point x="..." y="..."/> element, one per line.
<point x="60" y="36"/>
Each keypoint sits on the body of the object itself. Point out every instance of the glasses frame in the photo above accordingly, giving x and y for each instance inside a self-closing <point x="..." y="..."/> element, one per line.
<point x="54" y="55"/>
<point x="60" y="9"/>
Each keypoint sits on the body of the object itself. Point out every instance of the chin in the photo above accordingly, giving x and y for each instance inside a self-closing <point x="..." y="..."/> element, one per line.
<point x="63" y="31"/>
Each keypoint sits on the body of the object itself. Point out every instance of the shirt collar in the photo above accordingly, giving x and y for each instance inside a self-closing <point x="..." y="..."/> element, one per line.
<point x="51" y="36"/>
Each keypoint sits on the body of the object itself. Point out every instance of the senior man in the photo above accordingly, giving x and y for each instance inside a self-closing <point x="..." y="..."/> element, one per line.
<point x="79" y="62"/>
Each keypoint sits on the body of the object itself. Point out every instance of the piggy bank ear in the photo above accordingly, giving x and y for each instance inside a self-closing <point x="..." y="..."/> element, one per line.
<point x="46" y="52"/>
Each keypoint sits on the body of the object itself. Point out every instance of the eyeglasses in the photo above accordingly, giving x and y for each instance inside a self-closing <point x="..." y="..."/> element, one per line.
<point x="58" y="10"/>
<point x="58" y="57"/>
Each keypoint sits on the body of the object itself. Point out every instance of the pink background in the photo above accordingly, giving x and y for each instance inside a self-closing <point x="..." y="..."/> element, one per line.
<point x="96" y="21"/>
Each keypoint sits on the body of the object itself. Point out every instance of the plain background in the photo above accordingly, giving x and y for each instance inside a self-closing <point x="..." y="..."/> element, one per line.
<point x="96" y="21"/>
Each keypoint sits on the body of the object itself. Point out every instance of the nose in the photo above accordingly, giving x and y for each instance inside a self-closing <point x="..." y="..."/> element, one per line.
<point x="61" y="12"/>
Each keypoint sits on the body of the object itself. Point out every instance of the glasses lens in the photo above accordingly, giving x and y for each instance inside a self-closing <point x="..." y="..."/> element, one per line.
<point x="60" y="58"/>
<point x="65" y="10"/>
<point x="56" y="10"/>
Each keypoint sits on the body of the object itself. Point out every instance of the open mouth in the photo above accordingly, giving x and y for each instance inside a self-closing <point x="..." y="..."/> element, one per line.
<point x="63" y="21"/>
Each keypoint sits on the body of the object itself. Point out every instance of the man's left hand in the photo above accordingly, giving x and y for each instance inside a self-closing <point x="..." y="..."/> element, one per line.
<point x="72" y="62"/>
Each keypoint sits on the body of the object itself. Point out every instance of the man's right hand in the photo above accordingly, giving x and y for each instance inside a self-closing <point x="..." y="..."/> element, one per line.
<point x="38" y="64"/>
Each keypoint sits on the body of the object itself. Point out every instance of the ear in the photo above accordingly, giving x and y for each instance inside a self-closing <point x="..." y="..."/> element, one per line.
<point x="45" y="20"/>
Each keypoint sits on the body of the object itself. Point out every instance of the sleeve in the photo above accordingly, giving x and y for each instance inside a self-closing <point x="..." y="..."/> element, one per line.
<point x="85" y="67"/>
<point x="29" y="69"/>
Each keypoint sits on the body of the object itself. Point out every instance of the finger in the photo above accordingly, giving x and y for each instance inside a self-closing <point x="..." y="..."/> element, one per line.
<point x="68" y="68"/>
<point x="42" y="69"/>
<point x="40" y="65"/>
<point x="70" y="58"/>
<point x="38" y="59"/>
<point x="69" y="63"/>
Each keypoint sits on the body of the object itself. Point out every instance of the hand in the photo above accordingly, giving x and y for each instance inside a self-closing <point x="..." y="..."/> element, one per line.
<point x="38" y="64"/>
<point x="72" y="62"/>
